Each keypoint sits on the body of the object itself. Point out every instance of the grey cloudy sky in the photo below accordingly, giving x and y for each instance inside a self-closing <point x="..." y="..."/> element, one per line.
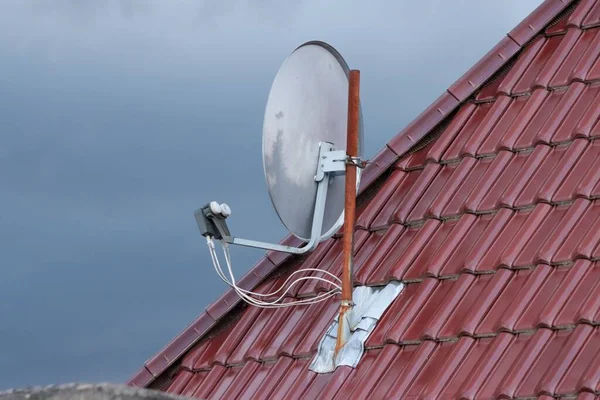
<point x="119" y="118"/>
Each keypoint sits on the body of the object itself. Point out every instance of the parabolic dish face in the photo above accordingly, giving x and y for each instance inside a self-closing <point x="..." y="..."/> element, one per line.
<point x="308" y="104"/>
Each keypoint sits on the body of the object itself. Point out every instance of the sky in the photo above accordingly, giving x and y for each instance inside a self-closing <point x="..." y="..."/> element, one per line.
<point x="119" y="118"/>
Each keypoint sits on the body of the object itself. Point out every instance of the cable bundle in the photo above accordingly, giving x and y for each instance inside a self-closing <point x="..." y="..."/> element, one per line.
<point x="262" y="300"/>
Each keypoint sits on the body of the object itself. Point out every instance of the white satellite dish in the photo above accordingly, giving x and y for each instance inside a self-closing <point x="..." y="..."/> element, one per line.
<point x="307" y="105"/>
<point x="304" y="150"/>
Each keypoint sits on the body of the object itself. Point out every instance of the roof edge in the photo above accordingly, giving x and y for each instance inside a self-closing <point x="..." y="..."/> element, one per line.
<point x="429" y="119"/>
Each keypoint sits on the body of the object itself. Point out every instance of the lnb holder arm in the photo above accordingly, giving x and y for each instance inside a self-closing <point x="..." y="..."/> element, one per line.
<point x="212" y="223"/>
<point x="211" y="218"/>
<point x="216" y="226"/>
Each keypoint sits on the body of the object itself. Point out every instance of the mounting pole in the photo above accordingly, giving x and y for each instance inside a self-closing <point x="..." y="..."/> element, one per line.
<point x="350" y="205"/>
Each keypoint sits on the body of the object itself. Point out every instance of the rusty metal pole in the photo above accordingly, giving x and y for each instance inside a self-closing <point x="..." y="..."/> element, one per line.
<point x="350" y="202"/>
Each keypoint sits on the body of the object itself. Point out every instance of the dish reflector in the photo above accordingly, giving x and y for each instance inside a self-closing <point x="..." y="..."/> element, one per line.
<point x="307" y="104"/>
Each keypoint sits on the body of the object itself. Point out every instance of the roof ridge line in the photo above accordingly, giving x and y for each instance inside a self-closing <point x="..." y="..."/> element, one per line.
<point x="428" y="120"/>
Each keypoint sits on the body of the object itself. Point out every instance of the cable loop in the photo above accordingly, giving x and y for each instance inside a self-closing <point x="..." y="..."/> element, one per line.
<point x="250" y="296"/>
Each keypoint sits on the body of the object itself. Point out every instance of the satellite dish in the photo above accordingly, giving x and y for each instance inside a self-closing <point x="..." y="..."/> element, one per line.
<point x="312" y="173"/>
<point x="307" y="104"/>
<point x="305" y="128"/>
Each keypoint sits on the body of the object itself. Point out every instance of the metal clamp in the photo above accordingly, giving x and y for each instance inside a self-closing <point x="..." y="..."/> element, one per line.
<point x="335" y="161"/>
<point x="357" y="161"/>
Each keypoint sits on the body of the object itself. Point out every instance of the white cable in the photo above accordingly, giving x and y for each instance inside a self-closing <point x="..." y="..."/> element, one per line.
<point x="273" y="303"/>
<point x="228" y="260"/>
<point x="232" y="283"/>
<point x="246" y="294"/>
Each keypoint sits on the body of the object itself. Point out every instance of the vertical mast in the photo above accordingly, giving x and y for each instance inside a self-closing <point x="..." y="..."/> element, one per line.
<point x="350" y="201"/>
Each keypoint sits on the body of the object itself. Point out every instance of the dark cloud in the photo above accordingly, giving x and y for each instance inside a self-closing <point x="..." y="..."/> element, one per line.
<point x="119" y="118"/>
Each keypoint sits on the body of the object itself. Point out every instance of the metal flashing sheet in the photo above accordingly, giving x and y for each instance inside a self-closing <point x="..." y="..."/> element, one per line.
<point x="370" y="304"/>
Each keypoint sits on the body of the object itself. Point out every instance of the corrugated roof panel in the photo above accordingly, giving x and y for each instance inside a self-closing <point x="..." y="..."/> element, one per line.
<point x="450" y="198"/>
<point x="308" y="343"/>
<point x="457" y="293"/>
<point x="238" y="384"/>
<point x="181" y="380"/>
<point x="503" y="110"/>
<point x="578" y="15"/>
<point x="298" y="370"/>
<point x="398" y="193"/>
<point x="558" y="58"/>
<point x="206" y="358"/>
<point x="563" y="109"/>
<point x="209" y="383"/>
<point x="593" y="16"/>
<point x="367" y="217"/>
<point x="530" y="191"/>
<point x="518" y="163"/>
<point x="563" y="229"/>
<point x="231" y="340"/>
<point x="594" y="73"/>
<point x="492" y="143"/>
<point x="387" y="250"/>
<point x="456" y="243"/>
<point x="507" y="83"/>
<point x="520" y="180"/>
<point x="274" y="374"/>
<point x="264" y="379"/>
<point x="571" y="376"/>
<point x="549" y="355"/>
<point x="485" y="292"/>
<point x="435" y="189"/>
<point x="418" y="267"/>
<point x="447" y="137"/>
<point x="566" y="72"/>
<point x="470" y="128"/>
<point x="529" y="136"/>
<point x="276" y="346"/>
<point x="569" y="188"/>
<point x="414" y="194"/>
<point x="414" y="249"/>
<point x="190" y="385"/>
<point x="413" y="329"/>
<point x="414" y="160"/>
<point x="411" y="371"/>
<point x="361" y="372"/>
<point x="525" y="82"/>
<point x="588" y="286"/>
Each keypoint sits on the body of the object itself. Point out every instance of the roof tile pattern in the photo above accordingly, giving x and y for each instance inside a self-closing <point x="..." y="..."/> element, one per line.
<point x="494" y="228"/>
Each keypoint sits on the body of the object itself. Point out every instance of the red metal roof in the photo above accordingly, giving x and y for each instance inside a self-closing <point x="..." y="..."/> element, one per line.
<point x="493" y="226"/>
